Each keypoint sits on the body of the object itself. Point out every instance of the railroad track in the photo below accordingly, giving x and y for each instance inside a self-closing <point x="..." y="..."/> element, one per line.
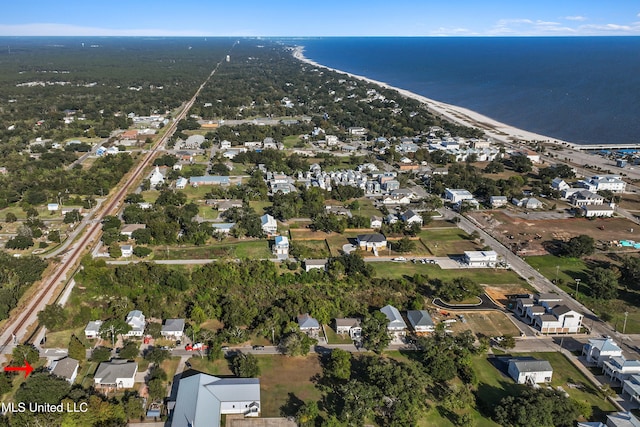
<point x="15" y="329"/>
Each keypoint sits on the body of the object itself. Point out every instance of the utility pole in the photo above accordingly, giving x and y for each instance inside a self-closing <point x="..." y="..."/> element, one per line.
<point x="577" y="285"/>
<point x="624" y="325"/>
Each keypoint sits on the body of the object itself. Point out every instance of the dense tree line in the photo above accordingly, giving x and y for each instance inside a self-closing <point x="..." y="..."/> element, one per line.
<point x="16" y="275"/>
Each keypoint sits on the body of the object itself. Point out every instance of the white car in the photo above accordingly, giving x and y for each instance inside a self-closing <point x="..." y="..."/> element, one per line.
<point x="399" y="259"/>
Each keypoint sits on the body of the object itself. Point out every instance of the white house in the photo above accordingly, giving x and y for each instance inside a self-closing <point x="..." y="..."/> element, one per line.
<point x="604" y="211"/>
<point x="137" y="321"/>
<point x="66" y="368"/>
<point x="128" y="229"/>
<point x="376" y="222"/>
<point x="599" y="350"/>
<point x="315" y="264"/>
<point x="181" y="183"/>
<point x="561" y="319"/>
<point x="281" y="247"/>
<point x="118" y="374"/>
<point x="308" y="324"/>
<point x="396" y="325"/>
<point x="372" y="241"/>
<point x="586" y="198"/>
<point x="618" y="419"/>
<point x="349" y="326"/>
<point x="410" y="217"/>
<point x="156" y="178"/>
<point x="631" y="387"/>
<point x="203" y="398"/>
<point x="618" y="368"/>
<point x="92" y="330"/>
<point x="457" y="195"/>
<point x="420" y="321"/>
<point x="225" y="145"/>
<point x="269" y="224"/>
<point x="173" y="328"/>
<point x="126" y="250"/>
<point x="481" y="258"/>
<point x="530" y="371"/>
<point x="559" y="184"/>
<point x="498" y="201"/>
<point x="52" y="207"/>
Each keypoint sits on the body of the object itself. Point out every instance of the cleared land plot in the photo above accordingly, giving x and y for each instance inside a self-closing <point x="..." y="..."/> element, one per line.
<point x="260" y="206"/>
<point x="207" y="212"/>
<point x="530" y="235"/>
<point x="447" y="241"/>
<point x="487" y="323"/>
<point x="257" y="249"/>
<point x="334" y="338"/>
<point x="311" y="248"/>
<point x="485" y="276"/>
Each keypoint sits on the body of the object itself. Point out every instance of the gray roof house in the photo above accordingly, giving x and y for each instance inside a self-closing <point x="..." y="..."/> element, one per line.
<point x="396" y="323"/>
<point x="172" y="328"/>
<point x="307" y="323"/>
<point x="529" y="370"/>
<point x="66" y="368"/>
<point x="118" y="373"/>
<point x="137" y="321"/>
<point x="421" y="321"/>
<point x="92" y="330"/>
<point x="203" y="398"/>
<point x="319" y="264"/>
<point x="618" y="419"/>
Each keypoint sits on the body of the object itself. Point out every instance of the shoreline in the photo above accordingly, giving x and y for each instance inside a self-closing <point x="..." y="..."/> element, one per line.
<point x="492" y="128"/>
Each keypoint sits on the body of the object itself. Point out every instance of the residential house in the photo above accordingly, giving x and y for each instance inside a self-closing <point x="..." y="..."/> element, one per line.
<point x="618" y="419"/>
<point x="371" y="242"/>
<point x="225" y="145"/>
<point x="349" y="326"/>
<point x="308" y="325"/>
<point x="530" y="371"/>
<point x="457" y="195"/>
<point x="376" y="222"/>
<point x="561" y="319"/>
<point x="619" y="369"/>
<point x="586" y="198"/>
<point x="396" y="200"/>
<point x="631" y="387"/>
<point x="281" y="247"/>
<point x="498" y="201"/>
<point x="599" y="350"/>
<point x="531" y="155"/>
<point x="181" y="183"/>
<point x="225" y="205"/>
<point x="117" y="373"/>
<point x="137" y="321"/>
<point x="357" y="131"/>
<point x="128" y="229"/>
<point x="410" y="217"/>
<point x="52" y="207"/>
<point x="481" y="258"/>
<point x="598" y="211"/>
<point x="203" y="398"/>
<point x="559" y="184"/>
<point x="173" y="329"/>
<point x="532" y="203"/>
<point x="126" y="251"/>
<point x="156" y="178"/>
<point x="338" y="210"/>
<point x="420" y="321"/>
<point x="222" y="227"/>
<point x="396" y="326"/>
<point x="612" y="183"/>
<point x="92" y="330"/>
<point x="315" y="264"/>
<point x="66" y="368"/>
<point x="269" y="224"/>
<point x="391" y="185"/>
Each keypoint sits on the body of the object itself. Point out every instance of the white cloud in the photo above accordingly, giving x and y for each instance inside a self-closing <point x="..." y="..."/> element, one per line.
<point x="576" y="18"/>
<point x="48" y="29"/>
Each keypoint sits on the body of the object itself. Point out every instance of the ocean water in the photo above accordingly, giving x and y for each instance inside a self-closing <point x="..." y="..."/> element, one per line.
<point x="580" y="89"/>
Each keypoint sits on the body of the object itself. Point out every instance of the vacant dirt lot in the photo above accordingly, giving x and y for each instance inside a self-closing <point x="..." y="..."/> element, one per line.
<point x="527" y="236"/>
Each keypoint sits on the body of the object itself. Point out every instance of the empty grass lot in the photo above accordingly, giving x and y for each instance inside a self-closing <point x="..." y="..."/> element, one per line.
<point x="447" y="241"/>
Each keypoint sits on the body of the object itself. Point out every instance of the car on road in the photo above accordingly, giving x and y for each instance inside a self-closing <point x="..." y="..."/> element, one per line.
<point x="399" y="259"/>
<point x="224" y="348"/>
<point x="187" y="364"/>
<point x="258" y="347"/>
<point x="195" y="347"/>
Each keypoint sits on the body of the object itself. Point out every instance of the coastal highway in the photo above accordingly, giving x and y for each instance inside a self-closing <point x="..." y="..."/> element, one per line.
<point x="17" y="326"/>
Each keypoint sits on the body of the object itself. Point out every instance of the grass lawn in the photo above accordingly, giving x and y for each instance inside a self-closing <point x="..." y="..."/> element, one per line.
<point x="196" y="193"/>
<point x="290" y="141"/>
<point x="367" y="209"/>
<point x="334" y="338"/>
<point x="485" y="276"/>
<point x="240" y="249"/>
<point x="488" y="323"/>
<point x="85" y="373"/>
<point x="260" y="206"/>
<point x="215" y="367"/>
<point x="447" y="241"/>
<point x="276" y="392"/>
<point x="150" y="196"/>
<point x="312" y="248"/>
<point x="170" y="366"/>
<point x="207" y="212"/>
<point x="60" y="339"/>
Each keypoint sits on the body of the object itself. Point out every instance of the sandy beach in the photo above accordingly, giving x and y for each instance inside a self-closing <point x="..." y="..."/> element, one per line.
<point x="494" y="129"/>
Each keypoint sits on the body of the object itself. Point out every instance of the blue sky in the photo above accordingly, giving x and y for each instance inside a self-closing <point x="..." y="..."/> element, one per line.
<point x="321" y="18"/>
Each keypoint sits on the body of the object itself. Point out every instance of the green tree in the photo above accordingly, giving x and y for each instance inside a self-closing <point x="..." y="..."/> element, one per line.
<point x="157" y="355"/>
<point x="540" y="407"/>
<point x="604" y="283"/>
<point x="374" y="332"/>
<point x="307" y="414"/>
<point x="10" y="217"/>
<point x="115" y="251"/>
<point x="130" y="350"/>
<point x="25" y="352"/>
<point x="52" y="317"/>
<point x="77" y="350"/>
<point x="578" y="246"/>
<point x="101" y="354"/>
<point x="42" y="387"/>
<point x="245" y="365"/>
<point x="112" y="328"/>
<point x="142" y="251"/>
<point x="339" y="365"/>
<point x="296" y="343"/>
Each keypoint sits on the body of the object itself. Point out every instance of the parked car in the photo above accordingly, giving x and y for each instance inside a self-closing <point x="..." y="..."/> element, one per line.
<point x="399" y="259"/>
<point x="258" y="347"/>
